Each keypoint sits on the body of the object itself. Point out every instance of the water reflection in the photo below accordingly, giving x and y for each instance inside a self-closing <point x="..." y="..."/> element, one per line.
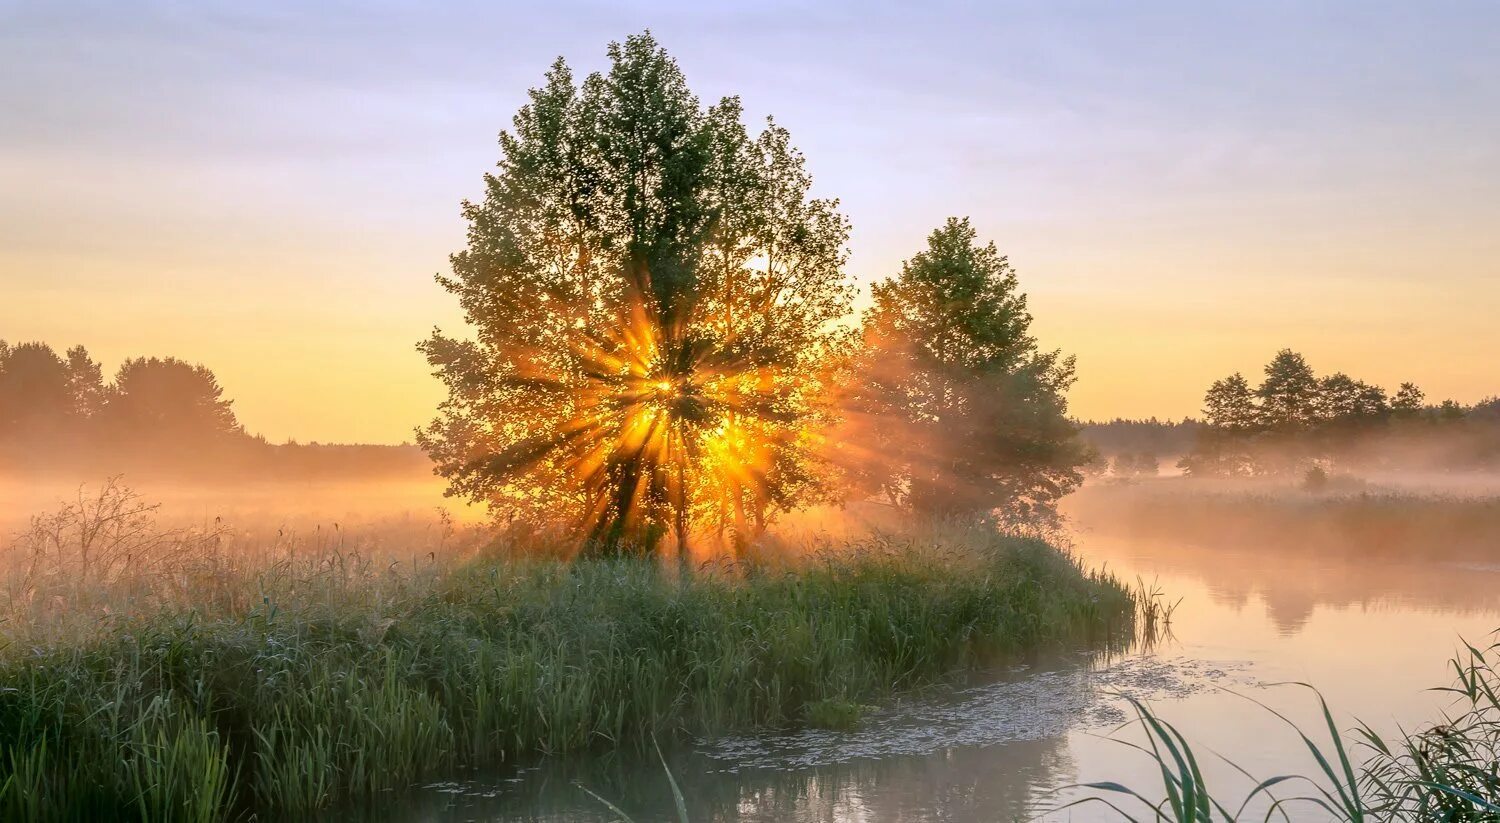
<point x="959" y="785"/>
<point x="1292" y="582"/>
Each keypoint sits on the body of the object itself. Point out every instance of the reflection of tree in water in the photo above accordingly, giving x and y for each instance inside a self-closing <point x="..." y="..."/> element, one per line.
<point x="1290" y="611"/>
<point x="966" y="783"/>
<point x="1292" y="577"/>
<point x="962" y="783"/>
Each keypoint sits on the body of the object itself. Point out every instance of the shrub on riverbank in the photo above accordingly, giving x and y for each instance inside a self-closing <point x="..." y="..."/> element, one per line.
<point x="204" y="688"/>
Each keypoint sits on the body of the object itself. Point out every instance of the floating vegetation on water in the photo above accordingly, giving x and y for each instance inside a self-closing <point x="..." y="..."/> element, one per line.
<point x="1031" y="704"/>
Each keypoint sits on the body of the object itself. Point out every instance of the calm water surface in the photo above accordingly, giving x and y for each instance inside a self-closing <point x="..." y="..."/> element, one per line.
<point x="1373" y="635"/>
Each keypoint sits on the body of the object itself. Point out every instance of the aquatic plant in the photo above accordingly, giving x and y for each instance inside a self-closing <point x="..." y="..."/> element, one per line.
<point x="1448" y="771"/>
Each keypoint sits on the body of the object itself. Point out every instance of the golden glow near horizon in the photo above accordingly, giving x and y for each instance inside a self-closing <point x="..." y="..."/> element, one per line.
<point x="1265" y="179"/>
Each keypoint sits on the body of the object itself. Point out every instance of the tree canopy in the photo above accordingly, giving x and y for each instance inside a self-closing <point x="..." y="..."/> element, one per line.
<point x="168" y="398"/>
<point x="968" y="415"/>
<point x="652" y="294"/>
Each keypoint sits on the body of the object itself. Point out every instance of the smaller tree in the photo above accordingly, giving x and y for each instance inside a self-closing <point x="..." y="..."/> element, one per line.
<point x="1230" y="404"/>
<point x="85" y="383"/>
<point x="970" y="415"/>
<point x="1450" y="411"/>
<point x="1096" y="464"/>
<point x="1348" y="403"/>
<point x="1408" y="402"/>
<point x="1485" y="411"/>
<point x="1232" y="419"/>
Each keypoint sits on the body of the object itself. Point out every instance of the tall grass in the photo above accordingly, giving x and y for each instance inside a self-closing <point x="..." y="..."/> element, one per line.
<point x="203" y="681"/>
<point x="1448" y="771"/>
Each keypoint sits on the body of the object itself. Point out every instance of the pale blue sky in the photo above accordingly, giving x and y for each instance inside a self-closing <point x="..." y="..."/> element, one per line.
<point x="1183" y="187"/>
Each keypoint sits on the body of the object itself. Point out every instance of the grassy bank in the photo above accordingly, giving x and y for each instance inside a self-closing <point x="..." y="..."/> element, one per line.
<point x="208" y="686"/>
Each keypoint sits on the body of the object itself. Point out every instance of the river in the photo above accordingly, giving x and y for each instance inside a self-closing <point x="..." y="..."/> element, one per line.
<point x="1373" y="634"/>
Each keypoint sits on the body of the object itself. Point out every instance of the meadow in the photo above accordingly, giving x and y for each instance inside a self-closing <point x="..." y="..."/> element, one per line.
<point x="203" y="673"/>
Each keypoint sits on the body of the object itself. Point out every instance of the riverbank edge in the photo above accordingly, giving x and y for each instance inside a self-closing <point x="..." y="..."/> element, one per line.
<point x="310" y="698"/>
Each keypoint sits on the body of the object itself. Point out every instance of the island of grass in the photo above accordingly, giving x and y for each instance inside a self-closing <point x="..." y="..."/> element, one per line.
<point x="226" y="689"/>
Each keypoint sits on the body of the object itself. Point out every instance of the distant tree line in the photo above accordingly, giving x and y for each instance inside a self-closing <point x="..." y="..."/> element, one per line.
<point x="162" y="414"/>
<point x="1124" y="448"/>
<point x="1295" y="417"/>
<point x="1149" y="435"/>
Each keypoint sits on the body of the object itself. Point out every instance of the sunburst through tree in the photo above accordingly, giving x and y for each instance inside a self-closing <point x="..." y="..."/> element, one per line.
<point x="654" y="298"/>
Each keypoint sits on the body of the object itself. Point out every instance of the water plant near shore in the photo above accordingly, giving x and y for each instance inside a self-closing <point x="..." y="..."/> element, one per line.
<point x="207" y="690"/>
<point x="1448" y="771"/>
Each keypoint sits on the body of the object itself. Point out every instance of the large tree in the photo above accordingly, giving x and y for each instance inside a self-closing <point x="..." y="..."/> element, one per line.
<point x="968" y="416"/>
<point x="1408" y="401"/>
<point x="651" y="292"/>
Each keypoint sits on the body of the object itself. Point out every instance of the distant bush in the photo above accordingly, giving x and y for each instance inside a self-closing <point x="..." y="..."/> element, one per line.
<point x="1315" y="479"/>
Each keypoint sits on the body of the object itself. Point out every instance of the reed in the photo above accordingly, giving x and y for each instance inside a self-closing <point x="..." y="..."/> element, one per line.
<point x="211" y="686"/>
<point x="1448" y="771"/>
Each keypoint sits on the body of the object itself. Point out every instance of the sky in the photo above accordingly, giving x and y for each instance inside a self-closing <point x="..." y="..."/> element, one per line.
<point x="1184" y="188"/>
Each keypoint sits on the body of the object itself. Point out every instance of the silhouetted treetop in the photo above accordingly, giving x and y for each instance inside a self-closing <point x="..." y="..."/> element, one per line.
<point x="1295" y="417"/>
<point x="36" y="393"/>
<point x="168" y="397"/>
<point x="1289" y="393"/>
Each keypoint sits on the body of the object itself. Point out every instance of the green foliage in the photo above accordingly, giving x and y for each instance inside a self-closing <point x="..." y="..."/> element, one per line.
<point x="640" y="263"/>
<point x="833" y="713"/>
<point x="965" y="414"/>
<point x="36" y="398"/>
<point x="1408" y="400"/>
<point x="1135" y="464"/>
<point x="1230" y="404"/>
<point x="1315" y="479"/>
<point x="333" y="685"/>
